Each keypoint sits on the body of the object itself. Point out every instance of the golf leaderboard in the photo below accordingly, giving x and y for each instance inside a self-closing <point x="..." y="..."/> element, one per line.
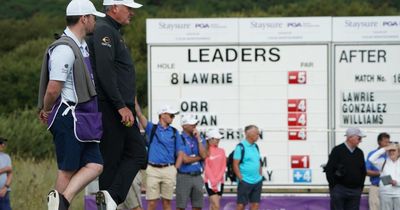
<point x="301" y="80"/>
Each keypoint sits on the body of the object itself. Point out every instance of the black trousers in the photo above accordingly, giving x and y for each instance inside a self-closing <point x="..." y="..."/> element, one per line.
<point x="344" y="198"/>
<point x="123" y="151"/>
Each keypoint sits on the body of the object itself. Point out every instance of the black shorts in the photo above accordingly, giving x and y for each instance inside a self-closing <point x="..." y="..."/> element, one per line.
<point x="211" y="192"/>
<point x="249" y="192"/>
<point x="72" y="154"/>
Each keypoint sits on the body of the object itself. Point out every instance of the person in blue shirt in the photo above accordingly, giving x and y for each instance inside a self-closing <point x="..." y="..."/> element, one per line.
<point x="192" y="152"/>
<point x="248" y="171"/>
<point x="374" y="173"/>
<point x="162" y="151"/>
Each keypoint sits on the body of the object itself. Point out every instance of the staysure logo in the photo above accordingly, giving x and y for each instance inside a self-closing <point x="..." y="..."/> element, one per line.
<point x="361" y="24"/>
<point x="173" y="26"/>
<point x="265" y="25"/>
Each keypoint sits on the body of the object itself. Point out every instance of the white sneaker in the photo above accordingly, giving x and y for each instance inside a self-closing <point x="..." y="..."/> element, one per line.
<point x="53" y="200"/>
<point x="104" y="201"/>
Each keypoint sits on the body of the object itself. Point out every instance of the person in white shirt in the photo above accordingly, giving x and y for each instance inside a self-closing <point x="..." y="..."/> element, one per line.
<point x="389" y="193"/>
<point x="60" y="92"/>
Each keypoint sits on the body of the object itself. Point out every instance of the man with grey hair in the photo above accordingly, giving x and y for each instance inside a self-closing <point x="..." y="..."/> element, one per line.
<point x="346" y="171"/>
<point x="122" y="145"/>
<point x="247" y="167"/>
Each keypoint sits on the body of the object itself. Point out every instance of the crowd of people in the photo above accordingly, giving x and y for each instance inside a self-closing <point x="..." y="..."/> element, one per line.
<point x="87" y="97"/>
<point x="347" y="169"/>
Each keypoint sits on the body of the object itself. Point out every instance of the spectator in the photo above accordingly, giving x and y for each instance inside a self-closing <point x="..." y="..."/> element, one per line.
<point x="345" y="172"/>
<point x="374" y="173"/>
<point x="192" y="151"/>
<point x="389" y="192"/>
<point x="214" y="169"/>
<point x="162" y="152"/>
<point x="133" y="200"/>
<point x="5" y="176"/>
<point x="247" y="167"/>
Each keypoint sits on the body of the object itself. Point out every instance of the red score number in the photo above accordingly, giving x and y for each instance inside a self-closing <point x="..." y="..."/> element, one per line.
<point x="300" y="161"/>
<point x="297" y="119"/>
<point x="296" y="134"/>
<point x="297" y="105"/>
<point x="297" y="77"/>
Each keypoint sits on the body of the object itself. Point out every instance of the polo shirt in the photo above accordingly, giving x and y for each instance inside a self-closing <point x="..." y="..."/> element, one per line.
<point x="61" y="62"/>
<point x="191" y="148"/>
<point x="163" y="147"/>
<point x="250" y="167"/>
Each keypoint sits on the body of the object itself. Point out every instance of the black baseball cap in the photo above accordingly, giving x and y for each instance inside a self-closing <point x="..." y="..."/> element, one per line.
<point x="2" y="140"/>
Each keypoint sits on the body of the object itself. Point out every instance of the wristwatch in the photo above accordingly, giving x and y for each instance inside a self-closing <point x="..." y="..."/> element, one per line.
<point x="7" y="186"/>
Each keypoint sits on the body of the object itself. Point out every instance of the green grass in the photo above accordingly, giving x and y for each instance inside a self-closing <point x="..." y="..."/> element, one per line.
<point x="32" y="180"/>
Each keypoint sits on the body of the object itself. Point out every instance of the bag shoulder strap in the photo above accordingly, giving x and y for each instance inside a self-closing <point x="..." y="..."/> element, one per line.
<point x="183" y="140"/>
<point x="152" y="133"/>
<point x="242" y="152"/>
<point x="242" y="147"/>
<point x="384" y="163"/>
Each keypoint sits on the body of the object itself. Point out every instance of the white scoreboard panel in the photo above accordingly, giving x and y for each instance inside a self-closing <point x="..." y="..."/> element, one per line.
<point x="368" y="91"/>
<point x="302" y="81"/>
<point x="366" y="68"/>
<point x="282" y="91"/>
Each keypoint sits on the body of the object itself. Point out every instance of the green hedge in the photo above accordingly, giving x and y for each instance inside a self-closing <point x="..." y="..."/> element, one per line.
<point x="27" y="137"/>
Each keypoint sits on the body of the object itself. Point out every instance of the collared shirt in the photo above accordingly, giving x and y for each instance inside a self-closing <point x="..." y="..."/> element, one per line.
<point x="370" y="166"/>
<point x="250" y="167"/>
<point x="112" y="63"/>
<point x="349" y="148"/>
<point x="163" y="146"/>
<point x="61" y="62"/>
<point x="191" y="148"/>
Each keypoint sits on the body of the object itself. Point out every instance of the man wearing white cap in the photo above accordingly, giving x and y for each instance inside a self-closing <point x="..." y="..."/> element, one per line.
<point x="66" y="81"/>
<point x="162" y="151"/>
<point x="122" y="145"/>
<point x="192" y="152"/>
<point x="346" y="171"/>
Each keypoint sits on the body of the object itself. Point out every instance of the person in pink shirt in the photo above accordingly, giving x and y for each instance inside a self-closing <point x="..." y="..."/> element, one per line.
<point x="214" y="168"/>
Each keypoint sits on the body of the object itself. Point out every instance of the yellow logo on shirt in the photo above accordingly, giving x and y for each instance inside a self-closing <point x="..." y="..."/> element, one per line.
<point x="106" y="41"/>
